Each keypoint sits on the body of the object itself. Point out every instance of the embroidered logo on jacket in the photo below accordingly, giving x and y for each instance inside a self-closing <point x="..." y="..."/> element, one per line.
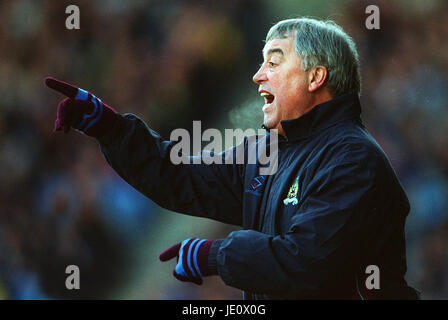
<point x="256" y="184"/>
<point x="292" y="194"/>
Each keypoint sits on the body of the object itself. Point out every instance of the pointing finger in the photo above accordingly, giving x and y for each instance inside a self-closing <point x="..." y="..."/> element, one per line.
<point x="170" y="253"/>
<point x="62" y="87"/>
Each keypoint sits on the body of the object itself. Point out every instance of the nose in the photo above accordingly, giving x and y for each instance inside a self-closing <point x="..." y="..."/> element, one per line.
<point x="260" y="76"/>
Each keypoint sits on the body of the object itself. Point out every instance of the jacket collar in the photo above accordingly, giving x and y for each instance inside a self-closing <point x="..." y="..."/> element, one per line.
<point x="322" y="116"/>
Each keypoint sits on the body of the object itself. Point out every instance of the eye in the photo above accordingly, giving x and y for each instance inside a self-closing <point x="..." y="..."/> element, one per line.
<point x="269" y="63"/>
<point x="272" y="64"/>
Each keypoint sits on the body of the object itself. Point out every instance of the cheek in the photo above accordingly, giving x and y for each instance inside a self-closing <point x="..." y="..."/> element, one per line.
<point x="288" y="89"/>
<point x="287" y="96"/>
<point x="294" y="90"/>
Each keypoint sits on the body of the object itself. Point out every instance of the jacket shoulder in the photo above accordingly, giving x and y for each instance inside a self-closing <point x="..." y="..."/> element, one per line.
<point x="351" y="143"/>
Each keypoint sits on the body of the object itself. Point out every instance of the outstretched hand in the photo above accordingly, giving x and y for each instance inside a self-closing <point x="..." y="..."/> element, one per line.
<point x="81" y="110"/>
<point x="192" y="259"/>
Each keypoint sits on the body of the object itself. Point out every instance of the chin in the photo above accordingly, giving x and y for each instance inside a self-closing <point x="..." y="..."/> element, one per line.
<point x="270" y="123"/>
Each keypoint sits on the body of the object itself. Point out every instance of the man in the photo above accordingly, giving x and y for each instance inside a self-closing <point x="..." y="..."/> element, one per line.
<point x="312" y="229"/>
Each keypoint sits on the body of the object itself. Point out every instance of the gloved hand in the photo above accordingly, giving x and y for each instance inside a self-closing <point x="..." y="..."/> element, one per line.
<point x="81" y="110"/>
<point x="192" y="259"/>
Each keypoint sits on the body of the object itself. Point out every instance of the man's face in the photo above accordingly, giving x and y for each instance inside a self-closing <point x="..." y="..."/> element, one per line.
<point x="283" y="84"/>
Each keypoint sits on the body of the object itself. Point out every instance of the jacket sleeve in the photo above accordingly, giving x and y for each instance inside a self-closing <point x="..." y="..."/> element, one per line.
<point x="320" y="247"/>
<point x="142" y="158"/>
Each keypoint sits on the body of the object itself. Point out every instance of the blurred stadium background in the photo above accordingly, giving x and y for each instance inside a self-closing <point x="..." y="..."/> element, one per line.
<point x="172" y="62"/>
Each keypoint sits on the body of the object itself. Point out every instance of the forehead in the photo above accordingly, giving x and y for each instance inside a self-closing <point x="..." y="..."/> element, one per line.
<point x="284" y="45"/>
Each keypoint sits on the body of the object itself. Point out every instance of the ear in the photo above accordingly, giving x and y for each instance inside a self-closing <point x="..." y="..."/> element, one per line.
<point x="316" y="78"/>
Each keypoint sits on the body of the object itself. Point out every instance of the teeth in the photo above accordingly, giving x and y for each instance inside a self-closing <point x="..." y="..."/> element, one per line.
<point x="265" y="94"/>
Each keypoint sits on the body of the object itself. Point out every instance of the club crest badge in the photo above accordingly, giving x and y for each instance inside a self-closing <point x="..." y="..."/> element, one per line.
<point x="292" y="194"/>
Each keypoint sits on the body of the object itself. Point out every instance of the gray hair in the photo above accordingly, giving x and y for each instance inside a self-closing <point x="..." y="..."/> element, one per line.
<point x="323" y="43"/>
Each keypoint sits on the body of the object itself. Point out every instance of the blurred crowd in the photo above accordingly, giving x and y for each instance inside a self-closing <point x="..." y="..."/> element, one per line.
<point x="405" y="99"/>
<point x="172" y="62"/>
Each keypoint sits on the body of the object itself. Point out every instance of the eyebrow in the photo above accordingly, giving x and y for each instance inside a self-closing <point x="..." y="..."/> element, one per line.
<point x="274" y="50"/>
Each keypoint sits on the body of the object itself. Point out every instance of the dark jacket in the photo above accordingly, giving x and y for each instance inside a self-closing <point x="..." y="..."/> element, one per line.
<point x="333" y="208"/>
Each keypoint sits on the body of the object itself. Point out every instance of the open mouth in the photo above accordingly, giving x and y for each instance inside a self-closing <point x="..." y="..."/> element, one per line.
<point x="268" y="98"/>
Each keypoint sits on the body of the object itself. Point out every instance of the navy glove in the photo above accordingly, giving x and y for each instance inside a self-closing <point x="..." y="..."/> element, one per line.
<point x="81" y="110"/>
<point x="192" y="259"/>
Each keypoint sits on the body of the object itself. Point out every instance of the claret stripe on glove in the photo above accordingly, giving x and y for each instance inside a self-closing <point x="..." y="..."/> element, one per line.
<point x="81" y="110"/>
<point x="192" y="259"/>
